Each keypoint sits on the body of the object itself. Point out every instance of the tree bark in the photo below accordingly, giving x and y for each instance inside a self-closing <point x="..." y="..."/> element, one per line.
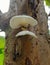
<point x="37" y="52"/>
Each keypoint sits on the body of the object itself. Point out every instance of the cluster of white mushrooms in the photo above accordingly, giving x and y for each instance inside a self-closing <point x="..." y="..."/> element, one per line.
<point x="23" y="20"/>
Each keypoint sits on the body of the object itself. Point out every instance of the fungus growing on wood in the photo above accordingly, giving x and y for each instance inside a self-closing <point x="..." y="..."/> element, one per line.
<point x="22" y="20"/>
<point x="22" y="33"/>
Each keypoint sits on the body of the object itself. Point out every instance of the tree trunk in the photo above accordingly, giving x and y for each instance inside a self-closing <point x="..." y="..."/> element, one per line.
<point x="36" y="52"/>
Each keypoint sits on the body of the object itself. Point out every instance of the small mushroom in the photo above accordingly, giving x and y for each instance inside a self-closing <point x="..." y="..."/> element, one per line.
<point x="22" y="20"/>
<point x="23" y="33"/>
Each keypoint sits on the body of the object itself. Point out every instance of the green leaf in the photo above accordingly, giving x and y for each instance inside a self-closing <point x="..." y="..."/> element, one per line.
<point x="47" y="2"/>
<point x="1" y="50"/>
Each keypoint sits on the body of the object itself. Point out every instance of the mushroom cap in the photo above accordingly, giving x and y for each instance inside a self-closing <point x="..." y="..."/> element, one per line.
<point x="23" y="33"/>
<point x="22" y="20"/>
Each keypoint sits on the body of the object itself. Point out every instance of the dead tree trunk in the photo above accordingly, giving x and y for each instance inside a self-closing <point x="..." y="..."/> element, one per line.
<point x="39" y="50"/>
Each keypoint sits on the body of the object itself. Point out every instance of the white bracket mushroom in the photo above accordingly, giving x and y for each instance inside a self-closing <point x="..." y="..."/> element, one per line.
<point x="23" y="20"/>
<point x="22" y="33"/>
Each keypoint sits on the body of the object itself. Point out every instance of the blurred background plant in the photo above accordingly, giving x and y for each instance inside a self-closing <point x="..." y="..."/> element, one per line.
<point x="2" y="45"/>
<point x="47" y="9"/>
<point x="47" y="2"/>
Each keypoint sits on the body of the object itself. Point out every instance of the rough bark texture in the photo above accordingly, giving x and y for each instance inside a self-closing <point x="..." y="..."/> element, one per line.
<point x="35" y="52"/>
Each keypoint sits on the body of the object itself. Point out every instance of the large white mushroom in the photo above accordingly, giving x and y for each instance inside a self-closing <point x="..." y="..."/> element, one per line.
<point x="23" y="20"/>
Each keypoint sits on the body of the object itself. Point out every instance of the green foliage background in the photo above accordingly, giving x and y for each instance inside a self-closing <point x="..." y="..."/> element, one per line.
<point x="47" y="2"/>
<point x="2" y="45"/>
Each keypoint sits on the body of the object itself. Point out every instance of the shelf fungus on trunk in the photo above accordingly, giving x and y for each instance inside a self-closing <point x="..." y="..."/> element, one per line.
<point x="22" y="20"/>
<point x="24" y="34"/>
